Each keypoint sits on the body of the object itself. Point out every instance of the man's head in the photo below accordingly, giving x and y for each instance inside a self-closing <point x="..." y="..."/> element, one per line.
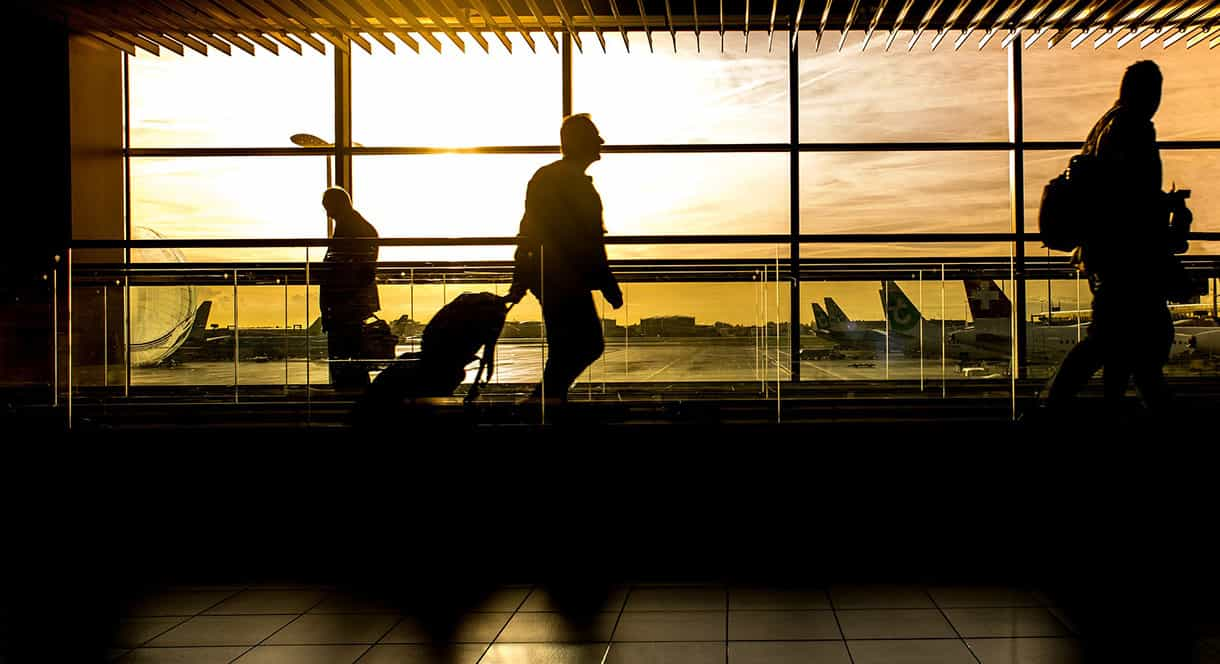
<point x="579" y="139"/>
<point x="1141" y="88"/>
<point x="336" y="201"/>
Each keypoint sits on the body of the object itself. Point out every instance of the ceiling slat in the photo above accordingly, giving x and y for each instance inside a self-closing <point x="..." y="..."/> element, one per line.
<point x="902" y="15"/>
<point x="516" y="21"/>
<point x="494" y="25"/>
<point x="644" y="20"/>
<point x="872" y="26"/>
<point x="359" y="17"/>
<point x="384" y="16"/>
<point x="546" y="28"/>
<point x="337" y="22"/>
<point x="975" y="22"/>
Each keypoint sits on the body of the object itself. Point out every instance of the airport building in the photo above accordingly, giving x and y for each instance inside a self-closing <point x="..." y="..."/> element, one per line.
<point x="824" y="219"/>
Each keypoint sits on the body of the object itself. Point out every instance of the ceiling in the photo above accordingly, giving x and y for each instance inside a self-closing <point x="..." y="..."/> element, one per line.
<point x="280" y="26"/>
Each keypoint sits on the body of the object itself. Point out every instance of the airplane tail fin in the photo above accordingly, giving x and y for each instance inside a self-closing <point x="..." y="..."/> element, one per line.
<point x="200" y="326"/>
<point x="836" y="314"/>
<point x="903" y="315"/>
<point x="987" y="300"/>
<point x="821" y="320"/>
<point x="315" y="328"/>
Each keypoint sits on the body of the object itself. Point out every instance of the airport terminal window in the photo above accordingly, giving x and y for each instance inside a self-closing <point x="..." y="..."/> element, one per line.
<point x="900" y="95"/>
<point x="229" y="197"/>
<point x="693" y="194"/>
<point x="457" y="99"/>
<point x="664" y="97"/>
<point x="905" y="192"/>
<point x="230" y="101"/>
<point x="1066" y="90"/>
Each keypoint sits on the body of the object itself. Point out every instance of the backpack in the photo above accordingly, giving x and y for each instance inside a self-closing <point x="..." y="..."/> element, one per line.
<point x="1068" y="204"/>
<point x="451" y="340"/>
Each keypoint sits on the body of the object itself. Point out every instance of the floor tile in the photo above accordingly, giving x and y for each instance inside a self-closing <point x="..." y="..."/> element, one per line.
<point x="554" y="628"/>
<point x="181" y="603"/>
<point x="334" y="629"/>
<point x="462" y="653"/>
<point x="302" y="655"/>
<point x="982" y="596"/>
<point x="220" y="655"/>
<point x="927" y="651"/>
<point x="894" y="624"/>
<point x="544" y="653"/>
<point x="788" y="652"/>
<point x="782" y="625"/>
<point x="505" y="599"/>
<point x="677" y="599"/>
<point x="1027" y="651"/>
<point x="268" y="601"/>
<point x="343" y="603"/>
<point x="475" y="628"/>
<point x="666" y="653"/>
<point x="762" y="598"/>
<point x="671" y="626"/>
<point x="222" y="631"/>
<point x="880" y="597"/>
<point x="1006" y="622"/>
<point x="539" y="601"/>
<point x="133" y="632"/>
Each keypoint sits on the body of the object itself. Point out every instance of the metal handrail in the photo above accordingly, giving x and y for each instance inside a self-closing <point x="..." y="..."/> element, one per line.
<point x="776" y="238"/>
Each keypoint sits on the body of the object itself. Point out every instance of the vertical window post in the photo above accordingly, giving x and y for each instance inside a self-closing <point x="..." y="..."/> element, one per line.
<point x="1016" y="199"/>
<point x="343" y="121"/>
<point x="566" y="57"/>
<point x="794" y="208"/>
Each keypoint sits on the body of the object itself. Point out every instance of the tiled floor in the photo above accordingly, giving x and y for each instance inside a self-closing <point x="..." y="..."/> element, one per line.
<point x="638" y="625"/>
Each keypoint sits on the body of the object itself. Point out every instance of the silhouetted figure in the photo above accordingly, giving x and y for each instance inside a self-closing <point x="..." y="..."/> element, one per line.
<point x="1125" y="254"/>
<point x="347" y="290"/>
<point x="561" y="257"/>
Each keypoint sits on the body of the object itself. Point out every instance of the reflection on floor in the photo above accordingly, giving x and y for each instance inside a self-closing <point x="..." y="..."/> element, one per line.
<point x="686" y="624"/>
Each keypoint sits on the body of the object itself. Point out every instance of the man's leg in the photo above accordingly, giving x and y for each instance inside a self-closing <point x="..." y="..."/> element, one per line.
<point x="1074" y="372"/>
<point x="574" y="340"/>
<point x="343" y="345"/>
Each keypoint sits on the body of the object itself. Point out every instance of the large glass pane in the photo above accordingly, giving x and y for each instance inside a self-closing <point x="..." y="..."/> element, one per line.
<point x="1196" y="170"/>
<point x="1066" y="90"/>
<point x="876" y="95"/>
<point x="458" y="99"/>
<point x="739" y="193"/>
<point x="230" y="197"/>
<point x="694" y="95"/>
<point x="231" y="101"/>
<point x="484" y="195"/>
<point x="904" y="192"/>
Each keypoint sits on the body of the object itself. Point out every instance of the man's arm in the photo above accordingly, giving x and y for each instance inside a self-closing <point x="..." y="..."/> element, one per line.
<point x="526" y="258"/>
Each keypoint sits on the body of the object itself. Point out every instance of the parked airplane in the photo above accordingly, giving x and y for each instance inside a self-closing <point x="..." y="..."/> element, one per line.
<point x="911" y="331"/>
<point x="989" y="337"/>
<point x="834" y="324"/>
<point x="253" y="343"/>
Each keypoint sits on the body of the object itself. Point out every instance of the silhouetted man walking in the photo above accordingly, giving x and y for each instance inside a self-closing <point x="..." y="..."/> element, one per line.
<point x="1125" y="253"/>
<point x="347" y="290"/>
<point x="561" y="257"/>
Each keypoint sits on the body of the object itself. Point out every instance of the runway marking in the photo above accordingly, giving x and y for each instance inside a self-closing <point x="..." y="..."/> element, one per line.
<point x="840" y="377"/>
<point x="658" y="371"/>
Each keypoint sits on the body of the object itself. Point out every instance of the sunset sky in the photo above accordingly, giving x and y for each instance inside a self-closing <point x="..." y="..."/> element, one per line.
<point x="472" y="99"/>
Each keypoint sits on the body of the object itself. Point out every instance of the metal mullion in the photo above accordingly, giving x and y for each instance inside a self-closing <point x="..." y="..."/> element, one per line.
<point x="343" y="120"/>
<point x="794" y="211"/>
<point x="1016" y="132"/>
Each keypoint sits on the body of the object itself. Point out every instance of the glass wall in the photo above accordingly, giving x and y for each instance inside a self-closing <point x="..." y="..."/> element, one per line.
<point x="698" y="143"/>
